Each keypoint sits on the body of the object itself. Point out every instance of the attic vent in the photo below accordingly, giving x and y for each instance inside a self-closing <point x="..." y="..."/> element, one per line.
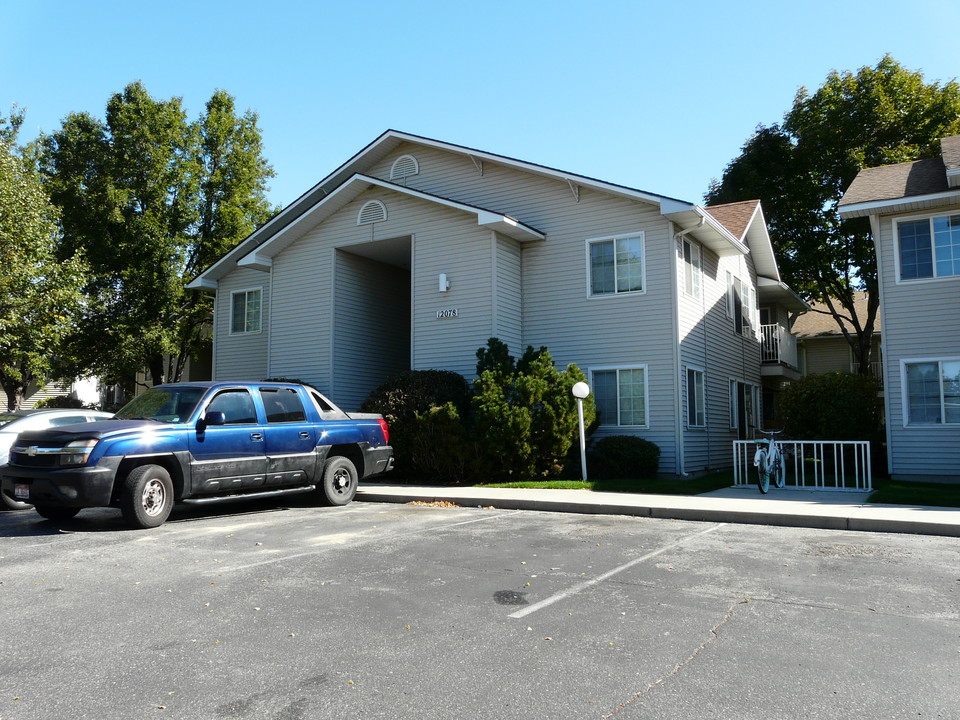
<point x="404" y="166"/>
<point x="371" y="212"/>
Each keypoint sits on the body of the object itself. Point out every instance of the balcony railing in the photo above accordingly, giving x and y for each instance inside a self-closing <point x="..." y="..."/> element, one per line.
<point x="876" y="370"/>
<point x="778" y="345"/>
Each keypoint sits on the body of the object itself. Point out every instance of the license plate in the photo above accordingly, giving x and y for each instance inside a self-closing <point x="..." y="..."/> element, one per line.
<point x="21" y="492"/>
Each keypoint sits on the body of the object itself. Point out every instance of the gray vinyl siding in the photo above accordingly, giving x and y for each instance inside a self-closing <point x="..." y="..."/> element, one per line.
<point x="830" y="354"/>
<point x="371" y="326"/>
<point x="593" y="332"/>
<point x="709" y="342"/>
<point x="242" y="356"/>
<point x="507" y="294"/>
<point x="921" y="321"/>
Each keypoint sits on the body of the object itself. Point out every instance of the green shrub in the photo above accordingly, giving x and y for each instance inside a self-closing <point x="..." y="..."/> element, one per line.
<point x="425" y="410"/>
<point x="831" y="406"/>
<point x="61" y="401"/>
<point x="525" y="417"/>
<point x="623" y="456"/>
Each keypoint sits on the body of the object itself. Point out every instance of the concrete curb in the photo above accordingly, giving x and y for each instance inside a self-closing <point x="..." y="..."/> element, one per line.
<point x="783" y="512"/>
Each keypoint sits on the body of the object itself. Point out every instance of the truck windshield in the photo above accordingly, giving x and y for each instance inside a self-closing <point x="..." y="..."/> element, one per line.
<point x="162" y="404"/>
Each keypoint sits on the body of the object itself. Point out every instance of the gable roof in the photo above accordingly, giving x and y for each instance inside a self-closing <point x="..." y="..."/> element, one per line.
<point x="687" y="216"/>
<point x="819" y="324"/>
<point x="917" y="185"/>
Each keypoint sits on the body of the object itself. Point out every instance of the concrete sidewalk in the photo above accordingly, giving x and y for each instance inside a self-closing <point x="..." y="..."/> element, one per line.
<point x="790" y="507"/>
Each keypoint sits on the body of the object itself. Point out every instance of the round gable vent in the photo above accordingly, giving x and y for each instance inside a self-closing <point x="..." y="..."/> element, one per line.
<point x="404" y="166"/>
<point x="372" y="211"/>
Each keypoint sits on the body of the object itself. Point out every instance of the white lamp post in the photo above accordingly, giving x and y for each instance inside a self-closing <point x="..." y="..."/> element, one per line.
<point x="580" y="391"/>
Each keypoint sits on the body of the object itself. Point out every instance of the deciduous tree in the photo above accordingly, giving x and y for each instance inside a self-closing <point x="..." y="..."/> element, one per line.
<point x="800" y="168"/>
<point x="153" y="198"/>
<point x="39" y="296"/>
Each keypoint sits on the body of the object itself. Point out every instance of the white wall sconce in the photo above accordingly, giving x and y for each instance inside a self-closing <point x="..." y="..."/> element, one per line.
<point x="444" y="283"/>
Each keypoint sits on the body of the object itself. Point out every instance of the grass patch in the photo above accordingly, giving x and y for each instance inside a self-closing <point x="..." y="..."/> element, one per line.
<point x="690" y="486"/>
<point x="892" y="492"/>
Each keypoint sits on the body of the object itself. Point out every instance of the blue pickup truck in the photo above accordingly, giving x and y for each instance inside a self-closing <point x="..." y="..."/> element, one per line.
<point x="198" y="443"/>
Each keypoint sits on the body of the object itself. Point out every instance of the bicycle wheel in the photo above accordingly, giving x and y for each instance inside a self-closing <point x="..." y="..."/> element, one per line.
<point x="779" y="471"/>
<point x="763" y="474"/>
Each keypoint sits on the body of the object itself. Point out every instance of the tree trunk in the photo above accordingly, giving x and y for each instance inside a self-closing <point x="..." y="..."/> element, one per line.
<point x="14" y="396"/>
<point x="155" y="366"/>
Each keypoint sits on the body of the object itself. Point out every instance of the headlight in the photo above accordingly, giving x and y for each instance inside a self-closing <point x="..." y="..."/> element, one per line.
<point x="77" y="452"/>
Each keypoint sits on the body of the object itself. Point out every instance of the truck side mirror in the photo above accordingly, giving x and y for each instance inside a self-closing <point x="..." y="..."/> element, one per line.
<point x="213" y="417"/>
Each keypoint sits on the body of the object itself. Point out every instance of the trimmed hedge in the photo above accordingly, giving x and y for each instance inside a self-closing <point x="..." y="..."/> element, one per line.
<point x="623" y="456"/>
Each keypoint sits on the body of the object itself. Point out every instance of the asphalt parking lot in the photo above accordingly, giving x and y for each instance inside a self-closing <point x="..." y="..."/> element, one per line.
<point x="382" y="611"/>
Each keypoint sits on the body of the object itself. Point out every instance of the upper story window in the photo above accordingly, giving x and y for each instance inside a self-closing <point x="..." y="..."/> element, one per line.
<point x="691" y="268"/>
<point x="616" y="265"/>
<point x="404" y="166"/>
<point x="929" y="248"/>
<point x="245" y="311"/>
<point x="741" y="302"/>
<point x="932" y="390"/>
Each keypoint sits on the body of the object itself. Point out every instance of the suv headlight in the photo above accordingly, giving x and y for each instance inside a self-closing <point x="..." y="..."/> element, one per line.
<point x="77" y="452"/>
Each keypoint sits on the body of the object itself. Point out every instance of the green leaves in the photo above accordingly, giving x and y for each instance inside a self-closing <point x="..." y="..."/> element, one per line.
<point x="800" y="169"/>
<point x="153" y="198"/>
<point x="39" y="296"/>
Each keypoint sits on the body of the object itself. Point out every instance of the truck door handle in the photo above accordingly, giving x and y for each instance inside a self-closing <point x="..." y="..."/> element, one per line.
<point x="256" y="436"/>
<point x="304" y="436"/>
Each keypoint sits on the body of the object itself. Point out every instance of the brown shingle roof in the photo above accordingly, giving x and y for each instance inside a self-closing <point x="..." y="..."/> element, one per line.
<point x="891" y="182"/>
<point x="735" y="217"/>
<point x="950" y="147"/>
<point x="816" y="324"/>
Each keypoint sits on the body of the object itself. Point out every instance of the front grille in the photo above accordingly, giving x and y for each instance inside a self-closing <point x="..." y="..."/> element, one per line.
<point x="23" y="460"/>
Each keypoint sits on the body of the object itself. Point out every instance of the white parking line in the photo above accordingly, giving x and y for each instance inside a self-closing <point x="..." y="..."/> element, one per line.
<point x="610" y="573"/>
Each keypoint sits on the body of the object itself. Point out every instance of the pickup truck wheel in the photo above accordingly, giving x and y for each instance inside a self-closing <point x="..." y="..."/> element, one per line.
<point x="56" y="513"/>
<point x="339" y="484"/>
<point x="147" y="497"/>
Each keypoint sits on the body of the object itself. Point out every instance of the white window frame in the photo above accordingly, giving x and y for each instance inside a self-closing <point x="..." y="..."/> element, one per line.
<point x="694" y="287"/>
<point x="245" y="291"/>
<point x="896" y="249"/>
<point x="701" y="399"/>
<point x="646" y="392"/>
<point x="643" y="264"/>
<point x="734" y="405"/>
<point x="905" y="393"/>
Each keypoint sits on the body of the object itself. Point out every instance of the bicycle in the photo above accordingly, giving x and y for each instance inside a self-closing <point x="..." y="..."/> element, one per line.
<point x="769" y="462"/>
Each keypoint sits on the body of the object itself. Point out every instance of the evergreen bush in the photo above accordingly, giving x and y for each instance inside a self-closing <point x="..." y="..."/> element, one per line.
<point x="623" y="456"/>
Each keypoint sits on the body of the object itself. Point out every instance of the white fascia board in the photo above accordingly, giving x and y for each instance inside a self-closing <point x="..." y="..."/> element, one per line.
<point x="677" y="210"/>
<point x="256" y="261"/>
<point x="880" y="207"/>
<point x="202" y="283"/>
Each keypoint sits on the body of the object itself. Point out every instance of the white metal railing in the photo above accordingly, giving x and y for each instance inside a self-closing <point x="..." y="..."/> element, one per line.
<point x="814" y="464"/>
<point x="777" y="344"/>
<point x="876" y="369"/>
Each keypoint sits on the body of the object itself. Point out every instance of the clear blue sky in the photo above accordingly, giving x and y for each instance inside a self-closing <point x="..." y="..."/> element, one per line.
<point x="657" y="96"/>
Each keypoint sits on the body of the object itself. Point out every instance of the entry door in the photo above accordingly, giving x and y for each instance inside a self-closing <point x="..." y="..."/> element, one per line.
<point x="746" y="412"/>
<point x="231" y="456"/>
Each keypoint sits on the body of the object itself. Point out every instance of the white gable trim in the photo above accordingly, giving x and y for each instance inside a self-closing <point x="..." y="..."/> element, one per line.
<point x="902" y="204"/>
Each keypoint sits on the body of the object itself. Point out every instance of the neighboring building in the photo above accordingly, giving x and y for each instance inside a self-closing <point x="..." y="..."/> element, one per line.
<point x="914" y="212"/>
<point x="823" y="347"/>
<point x="84" y="390"/>
<point x="415" y="252"/>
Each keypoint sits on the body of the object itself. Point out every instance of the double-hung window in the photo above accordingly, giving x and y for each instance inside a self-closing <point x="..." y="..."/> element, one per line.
<point x="621" y="396"/>
<point x="245" y="311"/>
<point x="616" y="265"/>
<point x="929" y="248"/>
<point x="696" y="399"/>
<point x="691" y="268"/>
<point x="741" y="301"/>
<point x="932" y="392"/>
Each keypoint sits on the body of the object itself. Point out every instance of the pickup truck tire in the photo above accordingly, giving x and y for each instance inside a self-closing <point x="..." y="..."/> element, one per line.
<point x="56" y="513"/>
<point x="146" y="498"/>
<point x="339" y="483"/>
